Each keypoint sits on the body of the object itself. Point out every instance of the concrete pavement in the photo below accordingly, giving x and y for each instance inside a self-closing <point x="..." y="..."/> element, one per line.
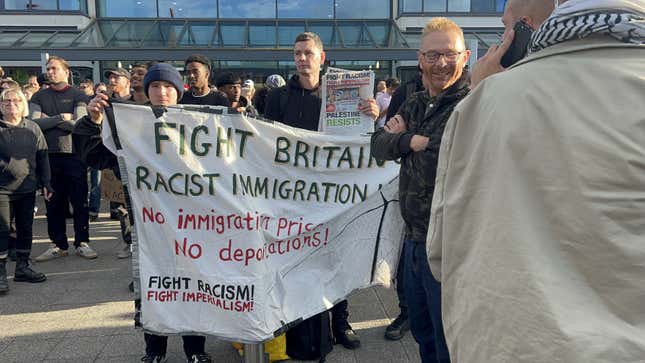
<point x="83" y="312"/>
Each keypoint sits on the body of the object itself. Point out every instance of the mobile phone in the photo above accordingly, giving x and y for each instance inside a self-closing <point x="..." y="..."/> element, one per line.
<point x="519" y="46"/>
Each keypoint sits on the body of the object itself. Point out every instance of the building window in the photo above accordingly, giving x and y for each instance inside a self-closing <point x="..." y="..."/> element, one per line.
<point x="411" y="6"/>
<point x="432" y="6"/>
<point x="233" y="34"/>
<point x="458" y="6"/>
<point x="451" y="6"/>
<point x="306" y="9"/>
<point x="128" y="8"/>
<point x="362" y="9"/>
<point x="187" y="8"/>
<point x="487" y="6"/>
<point x="247" y="9"/>
<point x="262" y="35"/>
<point x="44" y="5"/>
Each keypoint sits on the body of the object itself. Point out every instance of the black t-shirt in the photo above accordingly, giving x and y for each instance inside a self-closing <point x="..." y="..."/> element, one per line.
<point x="53" y="103"/>
<point x="213" y="98"/>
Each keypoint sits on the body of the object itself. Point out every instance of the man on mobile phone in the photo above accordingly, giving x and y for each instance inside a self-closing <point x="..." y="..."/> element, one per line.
<point x="532" y="12"/>
<point x="538" y="216"/>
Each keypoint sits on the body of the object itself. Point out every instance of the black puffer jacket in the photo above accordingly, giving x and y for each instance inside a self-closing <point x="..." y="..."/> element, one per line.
<point x="426" y="116"/>
<point x="294" y="106"/>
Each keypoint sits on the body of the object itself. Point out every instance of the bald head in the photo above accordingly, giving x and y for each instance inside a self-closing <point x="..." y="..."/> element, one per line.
<point x="532" y="12"/>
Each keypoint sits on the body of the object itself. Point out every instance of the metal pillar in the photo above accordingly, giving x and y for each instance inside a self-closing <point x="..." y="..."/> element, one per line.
<point x="44" y="57"/>
<point x="254" y="353"/>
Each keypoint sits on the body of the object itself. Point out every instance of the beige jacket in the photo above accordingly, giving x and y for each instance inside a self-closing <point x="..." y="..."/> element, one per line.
<point x="537" y="230"/>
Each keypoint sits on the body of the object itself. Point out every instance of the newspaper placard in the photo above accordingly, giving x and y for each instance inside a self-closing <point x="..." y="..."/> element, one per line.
<point x="342" y="92"/>
<point x="243" y="227"/>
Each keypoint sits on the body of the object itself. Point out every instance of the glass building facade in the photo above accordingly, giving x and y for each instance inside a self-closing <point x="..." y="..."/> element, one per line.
<point x="474" y="7"/>
<point x="254" y="37"/>
<point x="246" y="9"/>
<point x="43" y="5"/>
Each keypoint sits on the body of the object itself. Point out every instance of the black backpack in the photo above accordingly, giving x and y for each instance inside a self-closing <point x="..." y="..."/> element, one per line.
<point x="310" y="339"/>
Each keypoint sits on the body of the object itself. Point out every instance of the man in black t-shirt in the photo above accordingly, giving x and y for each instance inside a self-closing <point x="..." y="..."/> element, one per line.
<point x="198" y="70"/>
<point x="56" y="110"/>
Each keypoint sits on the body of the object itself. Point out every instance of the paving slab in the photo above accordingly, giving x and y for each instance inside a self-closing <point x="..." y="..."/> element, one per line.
<point x="77" y="349"/>
<point x="30" y="349"/>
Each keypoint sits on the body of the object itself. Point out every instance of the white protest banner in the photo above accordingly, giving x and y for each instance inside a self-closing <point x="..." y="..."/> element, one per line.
<point x="243" y="226"/>
<point x="342" y="92"/>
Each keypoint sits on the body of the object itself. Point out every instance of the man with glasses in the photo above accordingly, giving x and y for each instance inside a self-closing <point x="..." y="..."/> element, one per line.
<point x="414" y="136"/>
<point x="119" y="84"/>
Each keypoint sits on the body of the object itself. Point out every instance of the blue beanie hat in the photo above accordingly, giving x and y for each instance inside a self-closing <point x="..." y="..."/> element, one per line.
<point x="164" y="72"/>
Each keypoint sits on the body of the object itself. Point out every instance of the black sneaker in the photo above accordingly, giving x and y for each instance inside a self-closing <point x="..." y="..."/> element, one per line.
<point x="347" y="338"/>
<point x="153" y="358"/>
<point x="397" y="329"/>
<point x="200" y="358"/>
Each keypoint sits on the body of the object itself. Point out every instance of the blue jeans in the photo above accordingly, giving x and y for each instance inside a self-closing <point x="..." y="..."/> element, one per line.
<point x="95" y="191"/>
<point x="423" y="295"/>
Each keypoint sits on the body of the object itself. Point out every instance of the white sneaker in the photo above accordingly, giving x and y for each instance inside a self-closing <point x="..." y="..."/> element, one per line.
<point x="124" y="251"/>
<point x="84" y="250"/>
<point x="52" y="252"/>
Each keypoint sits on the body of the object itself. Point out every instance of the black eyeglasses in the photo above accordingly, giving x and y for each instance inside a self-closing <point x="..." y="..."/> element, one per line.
<point x="432" y="56"/>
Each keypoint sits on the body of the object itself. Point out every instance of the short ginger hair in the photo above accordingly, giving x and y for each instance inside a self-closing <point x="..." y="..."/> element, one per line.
<point x="441" y="24"/>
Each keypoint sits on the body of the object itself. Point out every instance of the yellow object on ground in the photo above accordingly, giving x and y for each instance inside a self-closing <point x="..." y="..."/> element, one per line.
<point x="277" y="348"/>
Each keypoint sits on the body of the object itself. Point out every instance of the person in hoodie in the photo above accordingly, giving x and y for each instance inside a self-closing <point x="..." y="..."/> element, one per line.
<point x="297" y="104"/>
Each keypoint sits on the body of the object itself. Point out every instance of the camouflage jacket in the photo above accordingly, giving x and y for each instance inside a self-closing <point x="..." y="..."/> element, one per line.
<point x="426" y="116"/>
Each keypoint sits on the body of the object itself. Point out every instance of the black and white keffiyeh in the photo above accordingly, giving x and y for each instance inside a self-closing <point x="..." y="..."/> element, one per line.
<point x="575" y="19"/>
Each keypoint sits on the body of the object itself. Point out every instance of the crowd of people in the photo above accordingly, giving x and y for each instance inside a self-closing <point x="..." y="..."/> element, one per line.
<point x="437" y="125"/>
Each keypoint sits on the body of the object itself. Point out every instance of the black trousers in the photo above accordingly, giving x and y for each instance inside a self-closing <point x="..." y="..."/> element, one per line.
<point x="23" y="211"/>
<point x="69" y="181"/>
<point x="339" y="316"/>
<point x="158" y="344"/>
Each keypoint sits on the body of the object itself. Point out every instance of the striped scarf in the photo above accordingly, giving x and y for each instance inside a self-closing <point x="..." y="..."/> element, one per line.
<point x="576" y="19"/>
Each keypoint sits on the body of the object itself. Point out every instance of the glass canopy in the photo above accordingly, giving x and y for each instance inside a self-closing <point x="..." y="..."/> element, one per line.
<point x="223" y="39"/>
<point x="147" y="33"/>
